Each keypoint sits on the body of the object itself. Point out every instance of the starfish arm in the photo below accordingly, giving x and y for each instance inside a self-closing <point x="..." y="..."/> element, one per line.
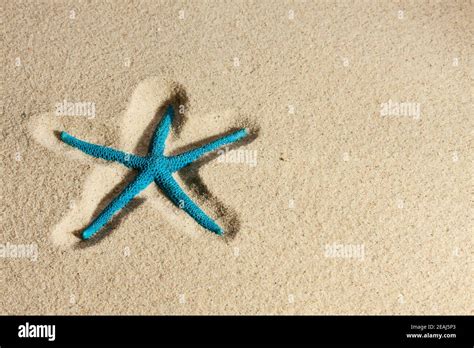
<point x="157" y="144"/>
<point x="104" y="152"/>
<point x="141" y="181"/>
<point x="182" y="160"/>
<point x="171" y="188"/>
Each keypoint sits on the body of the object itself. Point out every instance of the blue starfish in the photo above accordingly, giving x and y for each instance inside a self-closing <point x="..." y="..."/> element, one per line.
<point x="154" y="167"/>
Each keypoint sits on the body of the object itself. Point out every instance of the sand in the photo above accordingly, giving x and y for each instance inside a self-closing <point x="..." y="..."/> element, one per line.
<point x="353" y="195"/>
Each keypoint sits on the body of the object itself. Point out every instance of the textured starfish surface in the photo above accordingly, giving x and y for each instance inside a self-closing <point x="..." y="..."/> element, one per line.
<point x="155" y="166"/>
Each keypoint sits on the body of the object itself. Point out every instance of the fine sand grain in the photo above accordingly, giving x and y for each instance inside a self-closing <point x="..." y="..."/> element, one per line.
<point x="353" y="193"/>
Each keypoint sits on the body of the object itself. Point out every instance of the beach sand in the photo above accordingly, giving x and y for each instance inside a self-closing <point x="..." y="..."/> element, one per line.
<point x="353" y="194"/>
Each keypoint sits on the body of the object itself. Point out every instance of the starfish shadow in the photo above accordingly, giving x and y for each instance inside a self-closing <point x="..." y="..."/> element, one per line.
<point x="191" y="178"/>
<point x="179" y="100"/>
<point x="112" y="225"/>
<point x="190" y="174"/>
<point x="116" y="220"/>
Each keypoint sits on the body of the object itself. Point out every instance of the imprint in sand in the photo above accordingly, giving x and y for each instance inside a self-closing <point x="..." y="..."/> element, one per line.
<point x="106" y="179"/>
